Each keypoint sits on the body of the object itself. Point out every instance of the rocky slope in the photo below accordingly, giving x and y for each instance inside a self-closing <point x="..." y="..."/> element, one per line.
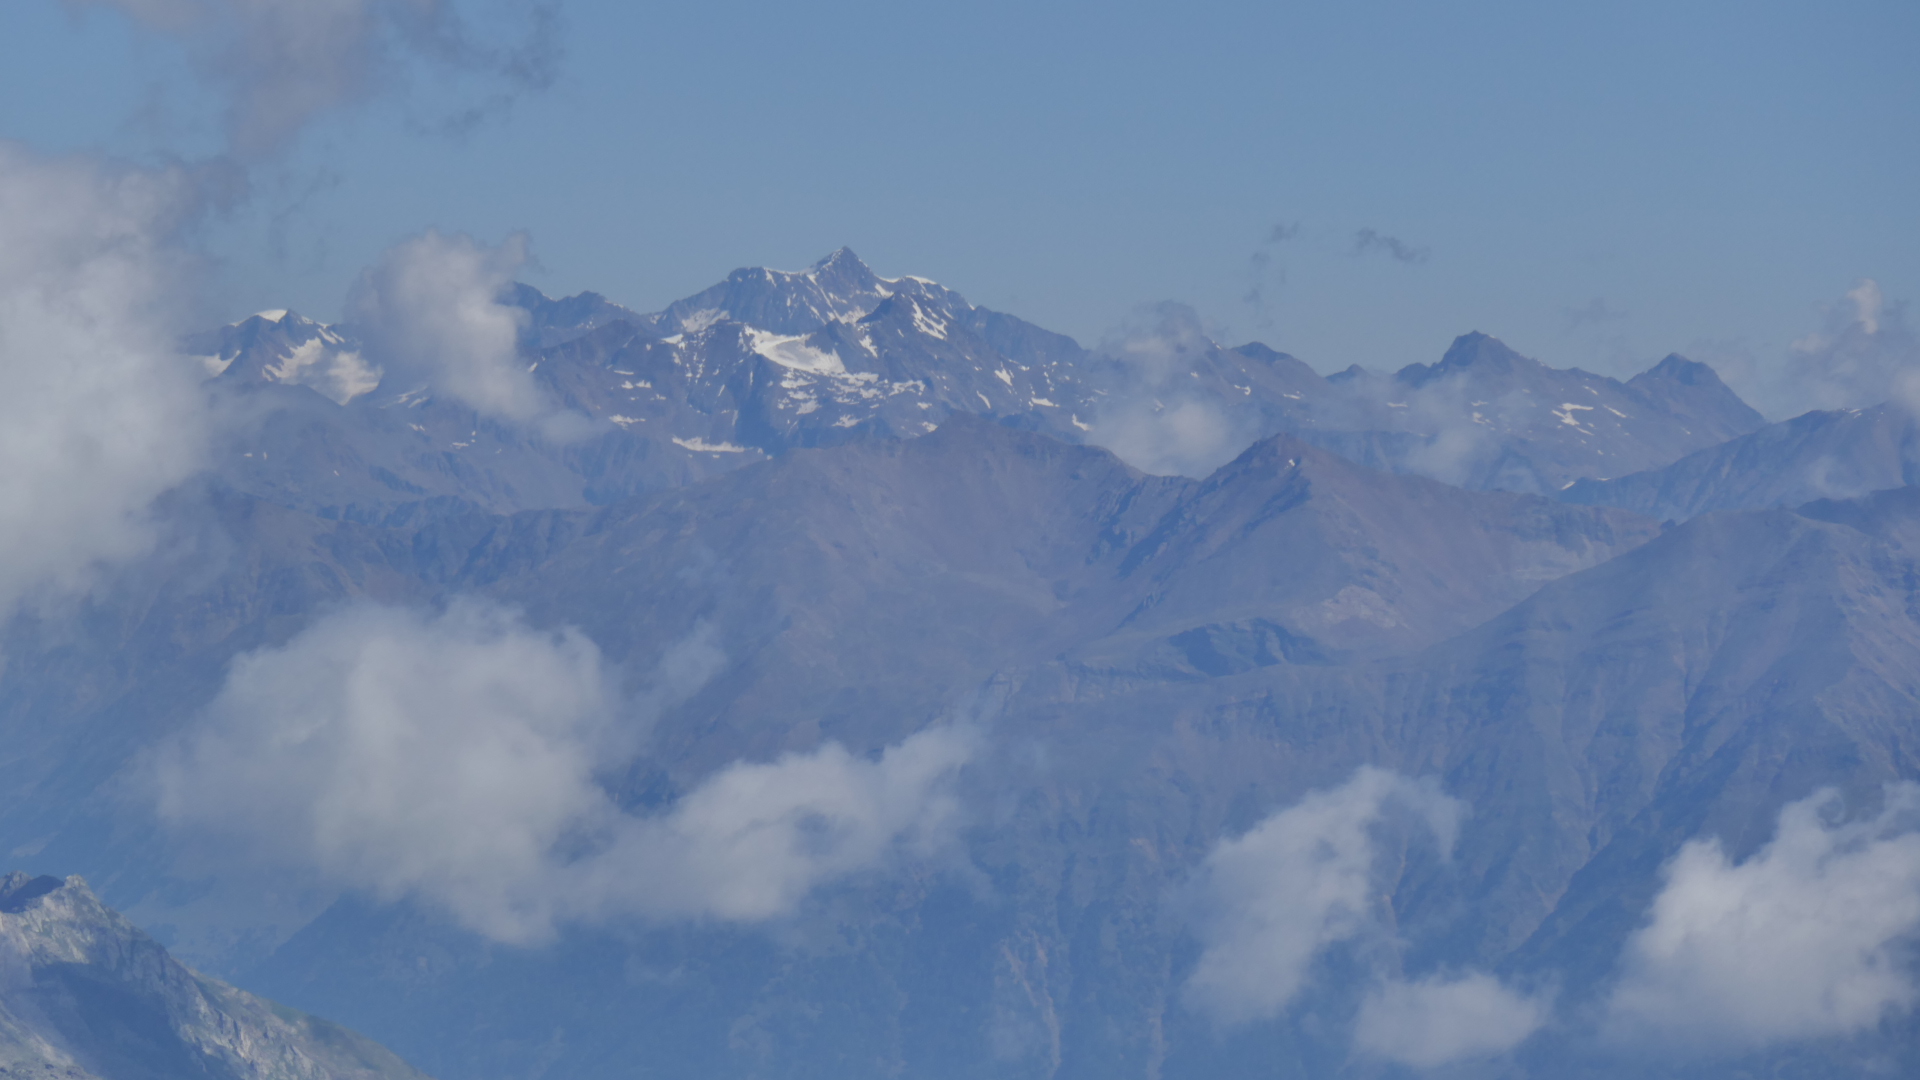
<point x="85" y="995"/>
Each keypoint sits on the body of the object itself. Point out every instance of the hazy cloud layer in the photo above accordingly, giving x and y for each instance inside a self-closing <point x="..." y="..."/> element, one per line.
<point x="1153" y="418"/>
<point x="456" y="758"/>
<point x="282" y="63"/>
<point x="1272" y="899"/>
<point x="1809" y="937"/>
<point x="429" y="313"/>
<point x="97" y="415"/>
<point x="1367" y="241"/>
<point x="1437" y="1021"/>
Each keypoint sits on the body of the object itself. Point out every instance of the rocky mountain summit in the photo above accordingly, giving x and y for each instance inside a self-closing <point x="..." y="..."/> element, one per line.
<point x="770" y="361"/>
<point x="85" y="995"/>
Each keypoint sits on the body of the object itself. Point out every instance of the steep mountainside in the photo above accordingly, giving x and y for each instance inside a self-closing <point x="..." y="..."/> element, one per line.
<point x="1691" y="686"/>
<point x="85" y="995"/>
<point x="1819" y="455"/>
<point x="801" y="691"/>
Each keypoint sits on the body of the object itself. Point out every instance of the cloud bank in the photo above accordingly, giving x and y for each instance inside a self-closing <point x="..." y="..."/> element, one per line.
<point x="98" y="416"/>
<point x="1273" y="898"/>
<point x="456" y="758"/>
<point x="1809" y="937"/>
<point x="282" y="63"/>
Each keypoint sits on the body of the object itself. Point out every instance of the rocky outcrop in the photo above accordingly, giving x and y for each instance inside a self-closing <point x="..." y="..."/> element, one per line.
<point x="85" y="995"/>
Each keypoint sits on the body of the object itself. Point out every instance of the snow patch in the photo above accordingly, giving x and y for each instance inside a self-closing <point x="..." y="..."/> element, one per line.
<point x="700" y="320"/>
<point x="930" y="325"/>
<point x="794" y="352"/>
<point x="1565" y="413"/>
<point x="697" y="443"/>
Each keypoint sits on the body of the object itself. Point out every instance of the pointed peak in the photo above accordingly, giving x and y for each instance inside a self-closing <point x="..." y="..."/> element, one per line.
<point x="842" y="272"/>
<point x="842" y="259"/>
<point x="1476" y="352"/>
<point x="1682" y="370"/>
<point x="1483" y="351"/>
<point x="18" y="892"/>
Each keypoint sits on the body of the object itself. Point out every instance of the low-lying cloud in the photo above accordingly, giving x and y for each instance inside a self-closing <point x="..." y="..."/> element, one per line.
<point x="283" y="63"/>
<point x="1153" y="418"/>
<point x="458" y="758"/>
<point x="1811" y="936"/>
<point x="98" y="415"/>
<point x="1431" y="1022"/>
<point x="1269" y="901"/>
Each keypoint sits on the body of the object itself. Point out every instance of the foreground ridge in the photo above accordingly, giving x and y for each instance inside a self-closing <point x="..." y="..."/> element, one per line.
<point x="84" y="994"/>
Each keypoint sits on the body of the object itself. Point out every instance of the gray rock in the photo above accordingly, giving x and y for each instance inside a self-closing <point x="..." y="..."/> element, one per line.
<point x="85" y="995"/>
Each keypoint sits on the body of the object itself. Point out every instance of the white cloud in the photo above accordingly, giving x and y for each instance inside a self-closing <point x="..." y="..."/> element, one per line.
<point x="98" y="416"/>
<point x="1431" y="1022"/>
<point x="283" y="63"/>
<point x="1152" y="419"/>
<point x="443" y="756"/>
<point x="755" y="838"/>
<point x="455" y="758"/>
<point x="1299" y="881"/>
<point x="1809" y="937"/>
<point x="1866" y="354"/>
<point x="430" y="311"/>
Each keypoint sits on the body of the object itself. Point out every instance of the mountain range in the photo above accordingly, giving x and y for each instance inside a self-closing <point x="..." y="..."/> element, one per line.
<point x="888" y="699"/>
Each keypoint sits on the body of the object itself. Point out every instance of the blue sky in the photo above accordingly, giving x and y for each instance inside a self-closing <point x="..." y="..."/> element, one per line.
<point x="1596" y="184"/>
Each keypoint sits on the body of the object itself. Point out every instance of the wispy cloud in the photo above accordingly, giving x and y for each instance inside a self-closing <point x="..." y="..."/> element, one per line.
<point x="1264" y="273"/>
<point x="457" y="758"/>
<point x="283" y="63"/>
<point x="1806" y="938"/>
<point x="1594" y="313"/>
<point x="1270" y="900"/>
<point x="1865" y="355"/>
<point x="1368" y="241"/>
<point x="1152" y="418"/>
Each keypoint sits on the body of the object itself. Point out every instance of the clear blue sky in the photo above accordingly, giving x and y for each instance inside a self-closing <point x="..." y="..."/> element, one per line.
<point x="1702" y="176"/>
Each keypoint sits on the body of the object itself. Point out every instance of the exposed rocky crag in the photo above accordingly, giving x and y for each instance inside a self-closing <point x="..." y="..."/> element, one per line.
<point x="85" y="995"/>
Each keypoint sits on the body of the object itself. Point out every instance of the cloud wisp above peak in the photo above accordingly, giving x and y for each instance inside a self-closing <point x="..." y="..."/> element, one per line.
<point x="457" y="757"/>
<point x="281" y="64"/>
<point x="1370" y="241"/>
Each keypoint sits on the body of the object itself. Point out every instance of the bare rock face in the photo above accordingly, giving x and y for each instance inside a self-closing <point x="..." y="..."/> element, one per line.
<point x="84" y="995"/>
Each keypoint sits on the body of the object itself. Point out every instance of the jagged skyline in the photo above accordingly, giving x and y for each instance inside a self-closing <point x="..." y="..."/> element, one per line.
<point x="1597" y="188"/>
